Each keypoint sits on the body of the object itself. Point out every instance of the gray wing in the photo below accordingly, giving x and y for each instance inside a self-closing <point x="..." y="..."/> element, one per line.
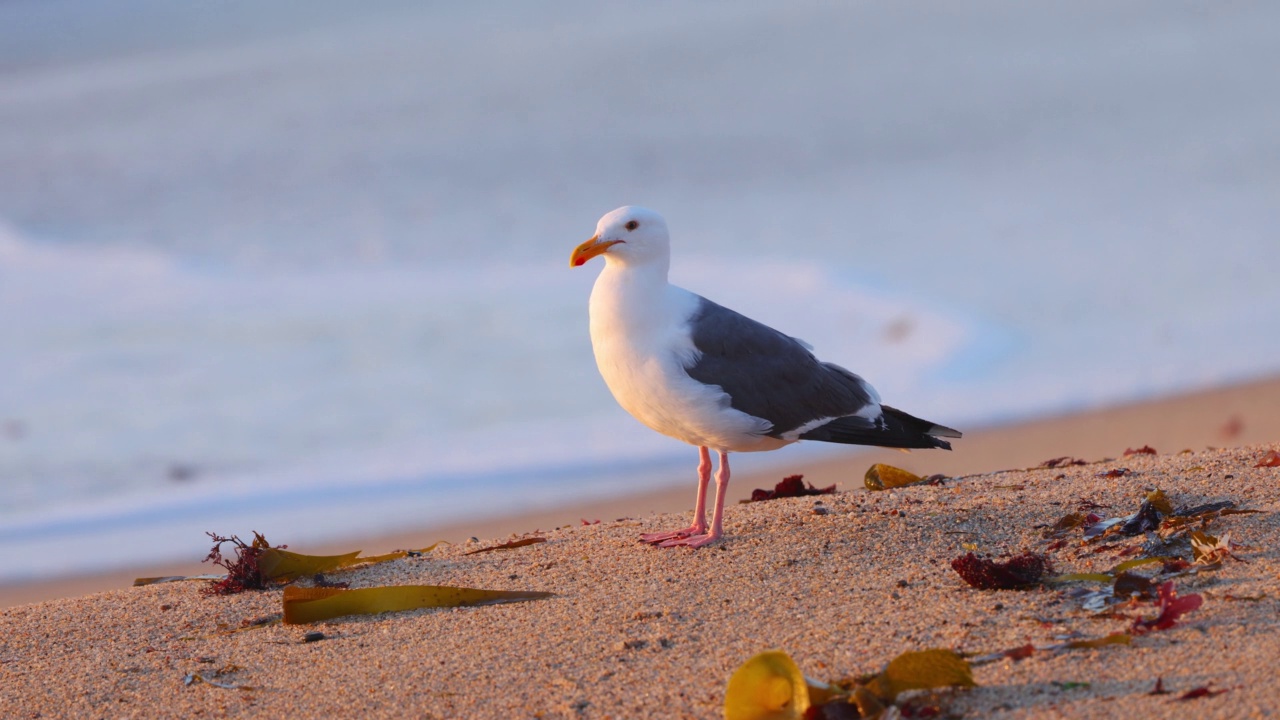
<point x="770" y="375"/>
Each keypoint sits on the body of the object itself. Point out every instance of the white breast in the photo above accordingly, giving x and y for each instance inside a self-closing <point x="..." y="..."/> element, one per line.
<point x="640" y="334"/>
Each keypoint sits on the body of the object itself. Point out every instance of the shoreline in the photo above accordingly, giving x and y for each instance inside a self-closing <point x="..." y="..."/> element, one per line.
<point x="1241" y="414"/>
<point x="843" y="583"/>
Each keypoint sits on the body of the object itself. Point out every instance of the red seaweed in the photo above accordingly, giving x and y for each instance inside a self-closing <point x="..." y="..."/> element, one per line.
<point x="1171" y="607"/>
<point x="791" y="486"/>
<point x="243" y="572"/>
<point x="1022" y="571"/>
<point x="1064" y="461"/>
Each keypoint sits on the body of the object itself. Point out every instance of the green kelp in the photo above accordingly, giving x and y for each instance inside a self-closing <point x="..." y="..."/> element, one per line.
<point x="770" y="686"/>
<point x="308" y="605"/>
<point x="887" y="477"/>
<point x="1022" y="652"/>
<point x="921" y="670"/>
<point x="258" y="563"/>
<point x="509" y="545"/>
<point x="1109" y="576"/>
<point x="285" y="566"/>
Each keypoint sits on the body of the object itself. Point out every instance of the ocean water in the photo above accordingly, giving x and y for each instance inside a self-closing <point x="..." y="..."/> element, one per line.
<point x="302" y="268"/>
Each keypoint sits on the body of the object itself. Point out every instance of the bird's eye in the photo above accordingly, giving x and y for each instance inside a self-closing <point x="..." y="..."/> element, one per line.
<point x="632" y="224"/>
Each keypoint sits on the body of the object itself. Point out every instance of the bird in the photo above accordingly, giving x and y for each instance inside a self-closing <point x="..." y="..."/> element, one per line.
<point x="704" y="374"/>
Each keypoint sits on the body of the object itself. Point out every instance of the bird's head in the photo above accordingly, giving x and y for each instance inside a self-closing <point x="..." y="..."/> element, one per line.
<point x="629" y="235"/>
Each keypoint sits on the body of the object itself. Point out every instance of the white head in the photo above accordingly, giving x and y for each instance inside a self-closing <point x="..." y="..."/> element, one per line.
<point x="630" y="235"/>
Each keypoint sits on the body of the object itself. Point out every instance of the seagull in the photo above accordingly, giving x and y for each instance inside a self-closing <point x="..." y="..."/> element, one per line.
<point x="704" y="374"/>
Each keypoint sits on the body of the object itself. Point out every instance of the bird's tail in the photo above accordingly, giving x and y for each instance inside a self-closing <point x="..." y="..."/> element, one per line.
<point x="899" y="430"/>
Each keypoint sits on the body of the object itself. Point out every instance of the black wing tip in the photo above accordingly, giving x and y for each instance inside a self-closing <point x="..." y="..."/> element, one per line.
<point x="896" y="429"/>
<point x="927" y="427"/>
<point x="936" y="432"/>
<point x="944" y="431"/>
<point x="892" y="437"/>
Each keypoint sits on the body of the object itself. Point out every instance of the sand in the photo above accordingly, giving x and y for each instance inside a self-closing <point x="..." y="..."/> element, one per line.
<point x="1246" y="413"/>
<point x="842" y="582"/>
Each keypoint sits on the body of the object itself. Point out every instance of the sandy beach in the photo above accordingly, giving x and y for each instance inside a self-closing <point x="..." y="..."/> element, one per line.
<point x="332" y="273"/>
<point x="842" y="582"/>
<point x="1248" y="413"/>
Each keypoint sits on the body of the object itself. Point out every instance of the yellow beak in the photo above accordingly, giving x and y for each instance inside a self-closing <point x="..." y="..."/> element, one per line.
<point x="590" y="249"/>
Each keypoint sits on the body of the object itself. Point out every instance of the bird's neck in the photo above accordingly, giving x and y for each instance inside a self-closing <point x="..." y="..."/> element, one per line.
<point x="630" y="296"/>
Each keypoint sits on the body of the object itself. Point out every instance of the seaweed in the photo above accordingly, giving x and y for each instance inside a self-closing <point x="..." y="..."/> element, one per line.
<point x="1059" y="462"/>
<point x="1271" y="459"/>
<point x="1171" y="605"/>
<point x="257" y="564"/>
<point x="244" y="571"/>
<point x="790" y="487"/>
<point x="509" y="545"/>
<point x="1018" y="573"/>
<point x="771" y="686"/>
<point x="308" y="605"/>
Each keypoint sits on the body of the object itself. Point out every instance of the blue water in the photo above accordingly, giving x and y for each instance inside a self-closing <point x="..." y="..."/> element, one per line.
<point x="302" y="267"/>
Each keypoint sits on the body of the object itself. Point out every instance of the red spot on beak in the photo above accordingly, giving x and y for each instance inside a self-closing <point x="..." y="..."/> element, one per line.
<point x="590" y="249"/>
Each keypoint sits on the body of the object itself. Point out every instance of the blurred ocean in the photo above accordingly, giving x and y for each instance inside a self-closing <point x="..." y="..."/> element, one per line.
<point x="302" y="266"/>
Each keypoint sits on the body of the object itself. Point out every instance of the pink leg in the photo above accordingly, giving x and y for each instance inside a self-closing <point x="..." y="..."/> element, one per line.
<point x="699" y="525"/>
<point x="717" y="516"/>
